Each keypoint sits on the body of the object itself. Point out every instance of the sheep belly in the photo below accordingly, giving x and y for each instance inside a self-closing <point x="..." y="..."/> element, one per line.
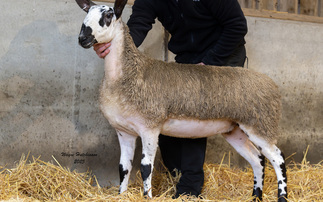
<point x="190" y="128"/>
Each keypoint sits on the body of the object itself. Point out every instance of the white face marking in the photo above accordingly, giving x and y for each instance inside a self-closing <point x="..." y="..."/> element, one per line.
<point x="102" y="34"/>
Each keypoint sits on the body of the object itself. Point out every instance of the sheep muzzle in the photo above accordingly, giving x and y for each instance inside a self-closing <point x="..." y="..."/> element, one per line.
<point x="86" y="39"/>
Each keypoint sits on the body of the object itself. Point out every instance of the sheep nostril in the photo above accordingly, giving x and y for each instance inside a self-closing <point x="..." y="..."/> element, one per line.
<point x="82" y="38"/>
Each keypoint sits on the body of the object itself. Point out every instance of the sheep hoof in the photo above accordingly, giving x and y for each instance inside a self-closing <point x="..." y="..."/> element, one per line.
<point x="282" y="198"/>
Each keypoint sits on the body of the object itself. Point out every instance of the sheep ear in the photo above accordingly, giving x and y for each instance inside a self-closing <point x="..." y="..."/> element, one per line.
<point x="85" y="4"/>
<point x="119" y="6"/>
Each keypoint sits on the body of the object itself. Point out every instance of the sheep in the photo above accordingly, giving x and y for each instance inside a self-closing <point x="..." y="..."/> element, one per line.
<point x="141" y="96"/>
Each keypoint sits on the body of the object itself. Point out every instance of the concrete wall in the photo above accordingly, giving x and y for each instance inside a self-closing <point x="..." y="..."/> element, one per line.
<point x="291" y="54"/>
<point x="49" y="87"/>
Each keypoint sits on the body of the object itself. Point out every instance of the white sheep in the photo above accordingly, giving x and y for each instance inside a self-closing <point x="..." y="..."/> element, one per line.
<point x="144" y="97"/>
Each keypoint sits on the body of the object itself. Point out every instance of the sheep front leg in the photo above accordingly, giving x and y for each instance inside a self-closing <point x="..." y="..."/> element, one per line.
<point x="149" y="147"/>
<point x="127" y="147"/>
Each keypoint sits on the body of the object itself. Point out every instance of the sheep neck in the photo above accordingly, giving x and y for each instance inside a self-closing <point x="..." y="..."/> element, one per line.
<point x="124" y="59"/>
<point x="113" y="61"/>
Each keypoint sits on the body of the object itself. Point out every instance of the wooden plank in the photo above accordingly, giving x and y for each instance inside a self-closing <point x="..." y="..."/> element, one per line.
<point x="265" y="13"/>
<point x="261" y="5"/>
<point x="316" y="8"/>
<point x="254" y="4"/>
<point x="275" y="5"/>
<point x="112" y="1"/>
<point x="296" y="6"/>
<point x="281" y="15"/>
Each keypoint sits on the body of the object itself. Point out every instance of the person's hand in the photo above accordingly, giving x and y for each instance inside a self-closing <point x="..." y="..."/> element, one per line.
<point x="102" y="49"/>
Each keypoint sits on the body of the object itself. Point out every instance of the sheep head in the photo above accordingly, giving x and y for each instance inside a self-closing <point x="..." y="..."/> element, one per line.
<point x="99" y="23"/>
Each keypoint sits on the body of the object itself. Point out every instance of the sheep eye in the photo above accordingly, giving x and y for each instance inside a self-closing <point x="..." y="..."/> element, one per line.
<point x="109" y="15"/>
<point x="106" y="18"/>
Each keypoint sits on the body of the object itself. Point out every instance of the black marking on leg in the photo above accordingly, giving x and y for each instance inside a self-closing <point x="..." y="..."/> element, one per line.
<point x="262" y="160"/>
<point x="283" y="168"/>
<point x="257" y="193"/>
<point x="143" y="156"/>
<point x="282" y="197"/>
<point x="122" y="173"/>
<point x="263" y="164"/>
<point x="279" y="190"/>
<point x="145" y="171"/>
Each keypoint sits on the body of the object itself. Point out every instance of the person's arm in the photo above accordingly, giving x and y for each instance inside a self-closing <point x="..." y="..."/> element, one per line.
<point x="234" y="25"/>
<point x="141" y="20"/>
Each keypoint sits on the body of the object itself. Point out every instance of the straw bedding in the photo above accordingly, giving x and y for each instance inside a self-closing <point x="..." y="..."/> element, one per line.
<point x="38" y="180"/>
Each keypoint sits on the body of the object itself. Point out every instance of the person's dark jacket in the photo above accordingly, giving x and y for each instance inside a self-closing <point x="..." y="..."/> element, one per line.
<point x="205" y="31"/>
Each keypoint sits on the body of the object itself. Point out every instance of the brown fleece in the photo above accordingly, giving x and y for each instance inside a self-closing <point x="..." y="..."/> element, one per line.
<point x="158" y="90"/>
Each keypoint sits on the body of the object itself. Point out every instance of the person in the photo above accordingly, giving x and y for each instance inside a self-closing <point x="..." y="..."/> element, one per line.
<point x="204" y="32"/>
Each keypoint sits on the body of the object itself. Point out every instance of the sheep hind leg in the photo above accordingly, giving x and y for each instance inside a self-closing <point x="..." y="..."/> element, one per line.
<point x="127" y="147"/>
<point x="276" y="158"/>
<point x="240" y="142"/>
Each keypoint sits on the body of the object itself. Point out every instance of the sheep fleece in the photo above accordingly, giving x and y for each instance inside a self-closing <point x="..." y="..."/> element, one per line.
<point x="158" y="91"/>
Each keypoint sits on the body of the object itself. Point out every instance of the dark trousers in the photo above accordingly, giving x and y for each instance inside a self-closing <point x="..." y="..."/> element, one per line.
<point x="188" y="155"/>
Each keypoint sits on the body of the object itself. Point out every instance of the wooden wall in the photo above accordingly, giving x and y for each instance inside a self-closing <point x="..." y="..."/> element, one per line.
<point x="302" y="7"/>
